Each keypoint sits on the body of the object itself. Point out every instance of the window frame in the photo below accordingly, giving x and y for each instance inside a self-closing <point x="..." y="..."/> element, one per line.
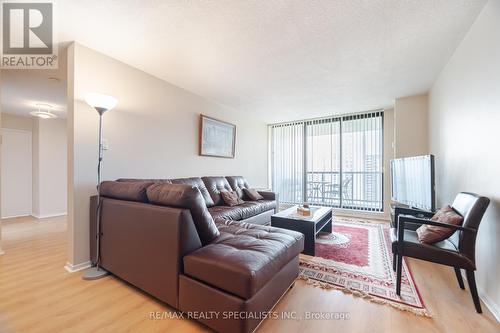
<point x="341" y="119"/>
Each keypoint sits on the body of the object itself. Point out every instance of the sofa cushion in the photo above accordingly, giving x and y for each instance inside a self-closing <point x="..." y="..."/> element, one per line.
<point x="243" y="211"/>
<point x="153" y="180"/>
<point x="130" y="191"/>
<point x="231" y="199"/>
<point x="225" y="212"/>
<point x="238" y="183"/>
<point x="252" y="194"/>
<point x="214" y="186"/>
<point x="244" y="257"/>
<point x="252" y="208"/>
<point x="196" y="181"/>
<point x="186" y="196"/>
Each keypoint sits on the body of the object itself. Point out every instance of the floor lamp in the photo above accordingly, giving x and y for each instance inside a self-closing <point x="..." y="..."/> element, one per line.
<point x="101" y="103"/>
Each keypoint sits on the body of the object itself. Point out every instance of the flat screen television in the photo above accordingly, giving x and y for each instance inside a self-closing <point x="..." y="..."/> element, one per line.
<point x="412" y="182"/>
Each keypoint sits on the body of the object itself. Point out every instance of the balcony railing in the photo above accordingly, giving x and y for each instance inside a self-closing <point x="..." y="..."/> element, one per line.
<point x="359" y="190"/>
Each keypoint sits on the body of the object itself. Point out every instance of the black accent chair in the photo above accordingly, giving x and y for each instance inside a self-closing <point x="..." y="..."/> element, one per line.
<point x="457" y="251"/>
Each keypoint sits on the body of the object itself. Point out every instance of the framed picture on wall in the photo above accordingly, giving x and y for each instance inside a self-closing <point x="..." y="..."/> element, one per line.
<point x="217" y="138"/>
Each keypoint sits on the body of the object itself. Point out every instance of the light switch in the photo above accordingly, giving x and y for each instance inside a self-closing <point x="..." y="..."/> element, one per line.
<point x="105" y="144"/>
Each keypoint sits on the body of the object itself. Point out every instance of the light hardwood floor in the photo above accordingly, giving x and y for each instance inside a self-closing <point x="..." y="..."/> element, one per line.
<point x="38" y="295"/>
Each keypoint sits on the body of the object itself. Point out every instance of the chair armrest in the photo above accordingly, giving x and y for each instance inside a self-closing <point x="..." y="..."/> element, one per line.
<point x="409" y="211"/>
<point x="412" y="219"/>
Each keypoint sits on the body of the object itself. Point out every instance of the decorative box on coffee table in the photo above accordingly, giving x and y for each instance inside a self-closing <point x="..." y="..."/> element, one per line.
<point x="319" y="220"/>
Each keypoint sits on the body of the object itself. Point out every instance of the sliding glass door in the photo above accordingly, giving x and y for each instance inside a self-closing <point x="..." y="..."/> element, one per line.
<point x="323" y="162"/>
<point x="362" y="161"/>
<point x="333" y="161"/>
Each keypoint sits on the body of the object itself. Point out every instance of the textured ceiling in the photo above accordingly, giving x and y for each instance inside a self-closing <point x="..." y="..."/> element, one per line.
<point x="279" y="59"/>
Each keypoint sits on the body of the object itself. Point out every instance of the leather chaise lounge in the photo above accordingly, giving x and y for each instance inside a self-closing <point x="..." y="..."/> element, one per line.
<point x="175" y="240"/>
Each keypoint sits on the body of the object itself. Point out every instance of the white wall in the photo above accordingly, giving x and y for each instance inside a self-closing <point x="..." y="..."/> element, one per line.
<point x="464" y="120"/>
<point x="153" y="132"/>
<point x="50" y="177"/>
<point x="17" y="122"/>
<point x="1" y="251"/>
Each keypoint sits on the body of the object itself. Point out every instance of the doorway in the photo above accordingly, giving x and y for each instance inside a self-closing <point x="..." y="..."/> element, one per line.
<point x="17" y="169"/>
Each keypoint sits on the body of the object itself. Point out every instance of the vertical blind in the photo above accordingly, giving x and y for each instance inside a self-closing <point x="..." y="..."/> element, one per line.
<point x="336" y="161"/>
<point x="288" y="161"/>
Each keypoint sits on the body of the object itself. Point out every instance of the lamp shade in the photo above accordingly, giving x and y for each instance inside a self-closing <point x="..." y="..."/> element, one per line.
<point x="101" y="102"/>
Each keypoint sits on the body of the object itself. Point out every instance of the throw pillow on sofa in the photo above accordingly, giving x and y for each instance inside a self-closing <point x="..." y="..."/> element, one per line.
<point x="430" y="234"/>
<point x="231" y="198"/>
<point x="252" y="194"/>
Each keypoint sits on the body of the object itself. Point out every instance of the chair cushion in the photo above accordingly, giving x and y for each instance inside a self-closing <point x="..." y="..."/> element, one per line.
<point x="244" y="257"/>
<point x="443" y="252"/>
<point x="186" y="196"/>
<point x="431" y="234"/>
<point x="243" y="211"/>
<point x="196" y="181"/>
<point x="214" y="186"/>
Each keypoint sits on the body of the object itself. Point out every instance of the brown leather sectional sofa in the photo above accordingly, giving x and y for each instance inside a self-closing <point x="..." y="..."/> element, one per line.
<point x="177" y="241"/>
<point x="210" y="187"/>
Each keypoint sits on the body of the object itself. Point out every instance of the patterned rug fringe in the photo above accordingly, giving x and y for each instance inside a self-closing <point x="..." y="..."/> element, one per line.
<point x="314" y="261"/>
<point x="368" y="297"/>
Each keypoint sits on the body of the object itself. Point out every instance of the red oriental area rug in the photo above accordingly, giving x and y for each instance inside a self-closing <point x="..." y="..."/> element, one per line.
<point x="357" y="259"/>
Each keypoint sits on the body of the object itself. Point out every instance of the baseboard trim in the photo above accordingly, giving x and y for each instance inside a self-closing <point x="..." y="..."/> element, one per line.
<point x="48" y="215"/>
<point x="492" y="306"/>
<point x="495" y="311"/>
<point x="14" y="216"/>
<point x="78" y="267"/>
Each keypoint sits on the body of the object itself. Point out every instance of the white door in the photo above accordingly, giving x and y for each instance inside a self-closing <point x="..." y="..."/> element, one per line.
<point x="16" y="173"/>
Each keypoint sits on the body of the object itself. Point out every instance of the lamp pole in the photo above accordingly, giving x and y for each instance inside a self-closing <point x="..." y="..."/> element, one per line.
<point x="99" y="171"/>
<point x="101" y="104"/>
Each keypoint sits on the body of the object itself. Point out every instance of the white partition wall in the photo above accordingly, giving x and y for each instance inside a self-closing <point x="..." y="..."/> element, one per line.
<point x="464" y="115"/>
<point x="50" y="168"/>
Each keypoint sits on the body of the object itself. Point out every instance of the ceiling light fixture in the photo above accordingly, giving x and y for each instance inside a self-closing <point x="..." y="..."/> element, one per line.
<point x="43" y="111"/>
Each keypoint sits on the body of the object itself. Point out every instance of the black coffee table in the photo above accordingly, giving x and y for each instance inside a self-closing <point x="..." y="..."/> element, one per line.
<point x="319" y="220"/>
